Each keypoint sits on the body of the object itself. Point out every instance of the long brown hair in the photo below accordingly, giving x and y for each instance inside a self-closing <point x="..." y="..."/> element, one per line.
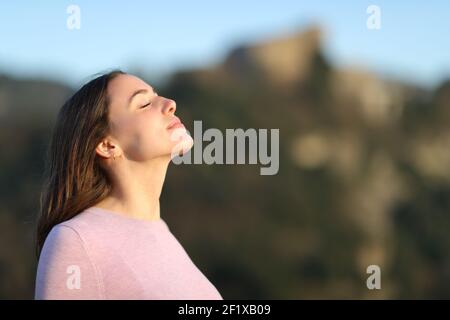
<point x="73" y="177"/>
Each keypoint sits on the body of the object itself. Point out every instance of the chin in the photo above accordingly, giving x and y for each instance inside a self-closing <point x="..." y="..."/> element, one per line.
<point x="183" y="142"/>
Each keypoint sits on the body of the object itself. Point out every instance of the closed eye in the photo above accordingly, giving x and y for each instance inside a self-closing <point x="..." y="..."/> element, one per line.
<point x="146" y="105"/>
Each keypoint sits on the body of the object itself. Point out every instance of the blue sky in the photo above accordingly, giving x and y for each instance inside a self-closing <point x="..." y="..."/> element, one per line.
<point x="162" y="36"/>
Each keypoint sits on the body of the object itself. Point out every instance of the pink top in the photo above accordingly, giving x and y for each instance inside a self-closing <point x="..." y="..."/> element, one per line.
<point x="101" y="254"/>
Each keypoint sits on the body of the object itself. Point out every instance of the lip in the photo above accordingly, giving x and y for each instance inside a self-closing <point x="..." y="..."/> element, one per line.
<point x="176" y="123"/>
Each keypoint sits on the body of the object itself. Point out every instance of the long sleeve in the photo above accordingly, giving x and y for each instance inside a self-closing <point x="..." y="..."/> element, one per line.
<point x="65" y="269"/>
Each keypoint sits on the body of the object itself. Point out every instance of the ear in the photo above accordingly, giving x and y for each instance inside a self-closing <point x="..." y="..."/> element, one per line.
<point x="106" y="149"/>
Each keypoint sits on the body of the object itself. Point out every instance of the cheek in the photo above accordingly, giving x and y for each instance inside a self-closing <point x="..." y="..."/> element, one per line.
<point x="144" y="136"/>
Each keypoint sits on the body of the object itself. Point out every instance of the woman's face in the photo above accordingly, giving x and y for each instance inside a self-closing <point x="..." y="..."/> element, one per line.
<point x="143" y="124"/>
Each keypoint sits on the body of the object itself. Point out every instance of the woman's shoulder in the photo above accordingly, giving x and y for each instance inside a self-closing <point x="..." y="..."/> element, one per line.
<point x="85" y="228"/>
<point x="66" y="253"/>
<point x="83" y="224"/>
<point x="101" y="231"/>
<point x="84" y="233"/>
<point x="70" y="233"/>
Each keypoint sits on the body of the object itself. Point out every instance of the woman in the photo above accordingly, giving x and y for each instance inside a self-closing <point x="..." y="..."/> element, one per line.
<point x="100" y="234"/>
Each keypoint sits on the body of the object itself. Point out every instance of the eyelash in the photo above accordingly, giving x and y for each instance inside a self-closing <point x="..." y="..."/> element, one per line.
<point x="148" y="104"/>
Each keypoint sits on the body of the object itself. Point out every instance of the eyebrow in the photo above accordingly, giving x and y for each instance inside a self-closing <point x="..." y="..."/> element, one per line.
<point x="139" y="91"/>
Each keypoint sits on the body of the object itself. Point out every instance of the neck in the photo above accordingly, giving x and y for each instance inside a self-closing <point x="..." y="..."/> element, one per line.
<point x="137" y="188"/>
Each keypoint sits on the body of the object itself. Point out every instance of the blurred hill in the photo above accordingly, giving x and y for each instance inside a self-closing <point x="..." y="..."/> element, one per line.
<point x="27" y="110"/>
<point x="363" y="177"/>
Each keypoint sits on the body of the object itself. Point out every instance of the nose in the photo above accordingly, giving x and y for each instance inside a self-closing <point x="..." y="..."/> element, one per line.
<point x="169" y="107"/>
